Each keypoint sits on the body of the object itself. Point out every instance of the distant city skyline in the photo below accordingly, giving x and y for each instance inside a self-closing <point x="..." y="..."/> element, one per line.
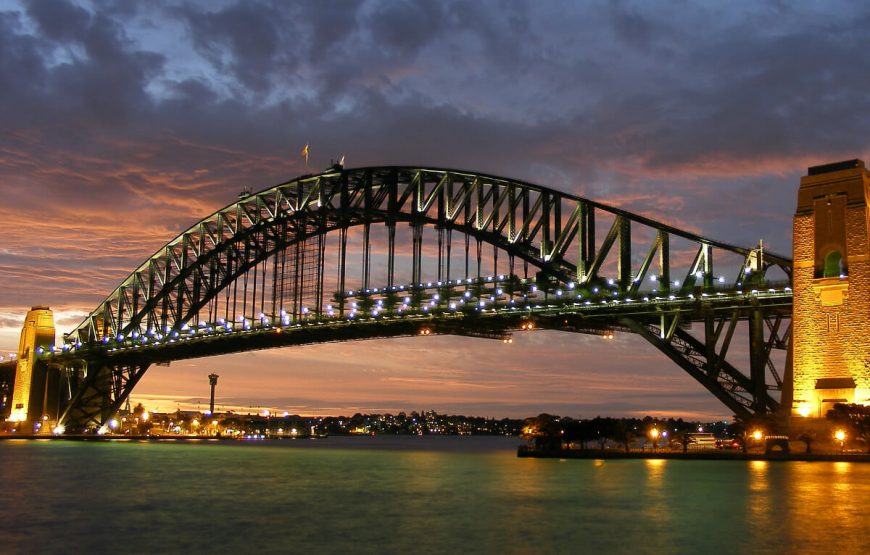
<point x="122" y="124"/>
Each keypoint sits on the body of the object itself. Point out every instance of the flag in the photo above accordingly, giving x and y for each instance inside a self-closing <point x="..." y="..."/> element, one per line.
<point x="305" y="152"/>
<point x="341" y="162"/>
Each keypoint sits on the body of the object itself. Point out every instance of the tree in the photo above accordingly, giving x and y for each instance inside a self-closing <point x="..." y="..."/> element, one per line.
<point x="585" y="430"/>
<point x="141" y="418"/>
<point x="684" y="438"/>
<point x="622" y="434"/>
<point x="808" y="438"/>
<point x="545" y="430"/>
<point x="855" y="418"/>
<point x="602" y="429"/>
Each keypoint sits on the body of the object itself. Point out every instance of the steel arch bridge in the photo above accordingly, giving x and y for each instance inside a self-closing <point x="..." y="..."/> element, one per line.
<point x="397" y="251"/>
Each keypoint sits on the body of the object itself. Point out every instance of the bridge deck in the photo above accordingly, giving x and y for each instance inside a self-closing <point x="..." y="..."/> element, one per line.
<point x="495" y="322"/>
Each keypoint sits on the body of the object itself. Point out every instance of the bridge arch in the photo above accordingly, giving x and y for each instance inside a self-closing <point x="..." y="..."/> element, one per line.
<point x="179" y="278"/>
<point x="576" y="248"/>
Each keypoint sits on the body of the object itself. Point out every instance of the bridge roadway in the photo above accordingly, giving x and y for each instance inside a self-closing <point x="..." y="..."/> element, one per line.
<point x="595" y="315"/>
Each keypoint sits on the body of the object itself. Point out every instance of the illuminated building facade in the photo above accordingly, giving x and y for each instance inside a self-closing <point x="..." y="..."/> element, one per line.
<point x="831" y="284"/>
<point x="28" y="395"/>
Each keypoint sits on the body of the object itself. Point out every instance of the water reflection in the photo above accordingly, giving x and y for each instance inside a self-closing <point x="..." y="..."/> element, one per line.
<point x="758" y="479"/>
<point x="762" y="517"/>
<point x="352" y="500"/>
<point x="826" y="505"/>
<point x="655" y="469"/>
<point x="657" y="506"/>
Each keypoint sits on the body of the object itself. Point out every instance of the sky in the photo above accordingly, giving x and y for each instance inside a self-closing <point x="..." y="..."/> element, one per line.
<point x="123" y="123"/>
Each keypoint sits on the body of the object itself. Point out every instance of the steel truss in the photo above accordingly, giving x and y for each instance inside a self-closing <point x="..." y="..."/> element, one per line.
<point x="705" y="359"/>
<point x="261" y="262"/>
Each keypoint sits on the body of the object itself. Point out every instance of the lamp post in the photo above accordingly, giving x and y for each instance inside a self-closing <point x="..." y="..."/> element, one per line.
<point x="757" y="435"/>
<point x="654" y="435"/>
<point x="840" y="436"/>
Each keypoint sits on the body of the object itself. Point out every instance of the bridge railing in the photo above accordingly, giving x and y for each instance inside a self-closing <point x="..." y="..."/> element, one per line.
<point x="468" y="296"/>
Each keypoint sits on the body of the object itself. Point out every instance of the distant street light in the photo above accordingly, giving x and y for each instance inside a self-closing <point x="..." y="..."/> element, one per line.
<point x="654" y="435"/>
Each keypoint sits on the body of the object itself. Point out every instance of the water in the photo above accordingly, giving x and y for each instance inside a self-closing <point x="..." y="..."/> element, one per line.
<point x="414" y="495"/>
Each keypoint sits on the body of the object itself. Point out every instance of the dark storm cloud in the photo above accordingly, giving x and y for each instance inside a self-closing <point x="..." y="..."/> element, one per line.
<point x="59" y="20"/>
<point x="330" y="72"/>
<point x="78" y="66"/>
<point x="404" y="28"/>
<point x="243" y="38"/>
<point x="784" y="95"/>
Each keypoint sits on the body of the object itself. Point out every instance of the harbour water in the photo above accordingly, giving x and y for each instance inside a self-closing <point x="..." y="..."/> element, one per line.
<point x="414" y="495"/>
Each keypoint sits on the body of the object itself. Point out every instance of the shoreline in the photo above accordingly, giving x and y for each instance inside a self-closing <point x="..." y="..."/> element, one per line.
<point x="721" y="455"/>
<point x="94" y="437"/>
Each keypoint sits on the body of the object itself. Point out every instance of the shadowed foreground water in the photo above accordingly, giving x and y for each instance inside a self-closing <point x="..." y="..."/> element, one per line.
<point x="415" y="495"/>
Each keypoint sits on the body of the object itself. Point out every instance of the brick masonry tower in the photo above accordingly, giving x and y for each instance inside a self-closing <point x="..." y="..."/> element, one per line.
<point x="831" y="284"/>
<point x="28" y="394"/>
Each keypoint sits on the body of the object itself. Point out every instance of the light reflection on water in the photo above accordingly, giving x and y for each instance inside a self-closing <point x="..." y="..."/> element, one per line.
<point x="833" y="498"/>
<point x="760" y="507"/>
<point x="391" y="495"/>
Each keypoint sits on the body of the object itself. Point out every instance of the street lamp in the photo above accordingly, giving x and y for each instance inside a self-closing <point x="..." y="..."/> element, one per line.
<point x="654" y="435"/>
<point x="840" y="436"/>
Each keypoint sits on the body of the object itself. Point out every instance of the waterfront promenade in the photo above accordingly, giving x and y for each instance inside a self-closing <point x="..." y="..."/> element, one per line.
<point x="699" y="455"/>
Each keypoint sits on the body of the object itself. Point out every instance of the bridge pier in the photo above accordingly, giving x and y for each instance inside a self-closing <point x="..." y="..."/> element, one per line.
<point x="831" y="284"/>
<point x="99" y="394"/>
<point x="757" y="360"/>
<point x="31" y="396"/>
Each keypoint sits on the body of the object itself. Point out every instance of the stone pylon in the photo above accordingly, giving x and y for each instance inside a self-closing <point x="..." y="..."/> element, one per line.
<point x="831" y="284"/>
